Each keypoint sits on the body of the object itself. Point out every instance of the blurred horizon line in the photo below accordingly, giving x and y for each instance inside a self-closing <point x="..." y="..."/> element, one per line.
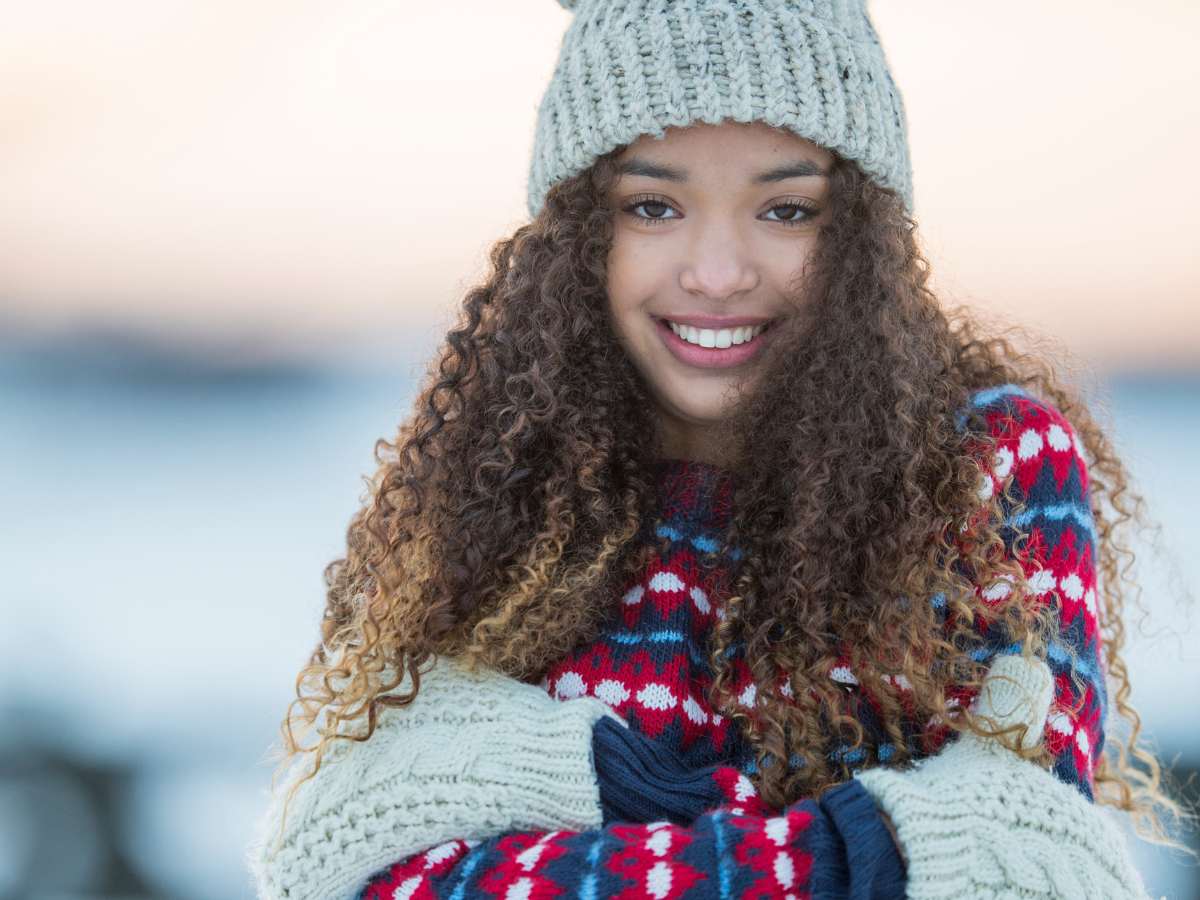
<point x="133" y="351"/>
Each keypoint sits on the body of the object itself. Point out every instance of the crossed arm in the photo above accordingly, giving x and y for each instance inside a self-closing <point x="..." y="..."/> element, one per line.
<point x="389" y="828"/>
<point x="668" y="831"/>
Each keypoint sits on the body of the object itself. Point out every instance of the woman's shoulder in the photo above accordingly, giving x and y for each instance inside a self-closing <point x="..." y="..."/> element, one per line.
<point x="1033" y="439"/>
<point x="1006" y="407"/>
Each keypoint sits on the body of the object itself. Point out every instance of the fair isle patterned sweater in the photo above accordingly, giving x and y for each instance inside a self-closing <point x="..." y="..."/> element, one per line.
<point x="650" y="666"/>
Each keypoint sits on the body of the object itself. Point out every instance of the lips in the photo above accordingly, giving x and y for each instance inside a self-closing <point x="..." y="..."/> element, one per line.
<point x="711" y="357"/>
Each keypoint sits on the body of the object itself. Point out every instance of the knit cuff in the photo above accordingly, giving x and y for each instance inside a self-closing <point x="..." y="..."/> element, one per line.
<point x="829" y="873"/>
<point x="873" y="860"/>
<point x="643" y="780"/>
<point x="552" y="775"/>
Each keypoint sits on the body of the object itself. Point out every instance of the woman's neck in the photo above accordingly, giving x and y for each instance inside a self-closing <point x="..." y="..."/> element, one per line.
<point x="710" y="445"/>
<point x="694" y="494"/>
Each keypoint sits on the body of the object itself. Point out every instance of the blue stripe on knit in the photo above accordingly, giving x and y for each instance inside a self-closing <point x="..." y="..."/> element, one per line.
<point x="1056" y="650"/>
<point x="1058" y="653"/>
<point x="1079" y="514"/>
<point x="844" y="754"/>
<point x="723" y="874"/>
<point x="665" y="636"/>
<point x="668" y="531"/>
<point x="705" y="543"/>
<point x="587" y="888"/>
<point x="979" y="654"/>
<point x="987" y="396"/>
<point x="468" y="866"/>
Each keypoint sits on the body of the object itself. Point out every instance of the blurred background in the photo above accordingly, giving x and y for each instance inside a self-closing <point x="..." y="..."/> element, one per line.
<point x="231" y="234"/>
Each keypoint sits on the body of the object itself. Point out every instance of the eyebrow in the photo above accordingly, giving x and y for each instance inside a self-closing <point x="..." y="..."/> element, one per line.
<point x="803" y="168"/>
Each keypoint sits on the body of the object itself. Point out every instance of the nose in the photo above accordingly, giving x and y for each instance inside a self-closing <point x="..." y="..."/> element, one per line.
<point x="718" y="266"/>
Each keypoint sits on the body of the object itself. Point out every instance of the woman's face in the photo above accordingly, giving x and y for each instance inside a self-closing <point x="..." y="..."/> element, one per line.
<point x="712" y="227"/>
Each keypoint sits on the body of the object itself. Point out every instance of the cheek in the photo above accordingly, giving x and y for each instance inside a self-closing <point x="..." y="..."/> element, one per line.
<point x="618" y="295"/>
<point x="615" y="275"/>
<point x="630" y="282"/>
<point x="788" y="273"/>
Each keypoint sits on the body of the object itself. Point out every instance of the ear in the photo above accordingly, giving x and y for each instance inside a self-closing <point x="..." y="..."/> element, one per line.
<point x="1016" y="690"/>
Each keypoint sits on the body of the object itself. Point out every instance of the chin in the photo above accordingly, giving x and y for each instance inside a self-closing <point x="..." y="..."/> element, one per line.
<point x="689" y="409"/>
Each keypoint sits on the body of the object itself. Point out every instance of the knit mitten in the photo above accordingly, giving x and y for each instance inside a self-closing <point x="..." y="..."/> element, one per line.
<point x="853" y="853"/>
<point x="473" y="756"/>
<point x="976" y="820"/>
<point x="644" y="780"/>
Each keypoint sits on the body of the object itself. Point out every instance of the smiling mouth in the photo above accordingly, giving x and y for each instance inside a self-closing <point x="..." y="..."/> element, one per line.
<point x="717" y="338"/>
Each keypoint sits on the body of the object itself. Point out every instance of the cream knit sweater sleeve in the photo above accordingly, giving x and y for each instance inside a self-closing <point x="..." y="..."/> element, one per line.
<point x="474" y="755"/>
<point x="978" y="821"/>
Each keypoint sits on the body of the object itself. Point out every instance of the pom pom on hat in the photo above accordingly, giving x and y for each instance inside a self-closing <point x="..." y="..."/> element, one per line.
<point x="568" y="4"/>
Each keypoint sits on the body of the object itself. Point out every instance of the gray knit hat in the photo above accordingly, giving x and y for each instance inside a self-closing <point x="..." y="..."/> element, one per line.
<point x="633" y="67"/>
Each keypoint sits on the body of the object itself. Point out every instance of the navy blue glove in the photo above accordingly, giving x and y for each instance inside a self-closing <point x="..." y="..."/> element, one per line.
<point x="854" y="854"/>
<point x="642" y="780"/>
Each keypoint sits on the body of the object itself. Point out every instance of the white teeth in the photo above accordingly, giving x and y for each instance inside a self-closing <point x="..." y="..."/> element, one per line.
<point x="720" y="338"/>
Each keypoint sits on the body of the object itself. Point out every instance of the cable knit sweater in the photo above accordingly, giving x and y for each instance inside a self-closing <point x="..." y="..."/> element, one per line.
<point x="650" y="667"/>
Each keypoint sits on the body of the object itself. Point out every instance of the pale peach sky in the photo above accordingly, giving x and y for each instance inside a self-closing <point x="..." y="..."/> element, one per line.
<point x="317" y="170"/>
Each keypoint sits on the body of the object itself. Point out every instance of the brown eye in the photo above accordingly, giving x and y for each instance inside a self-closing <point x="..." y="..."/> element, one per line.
<point x="800" y="213"/>
<point x="654" y="206"/>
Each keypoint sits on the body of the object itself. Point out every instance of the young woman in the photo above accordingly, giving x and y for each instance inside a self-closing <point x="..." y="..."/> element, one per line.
<point x="713" y="522"/>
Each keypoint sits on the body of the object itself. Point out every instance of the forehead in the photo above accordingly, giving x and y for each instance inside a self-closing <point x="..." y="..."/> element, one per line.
<point x="728" y="143"/>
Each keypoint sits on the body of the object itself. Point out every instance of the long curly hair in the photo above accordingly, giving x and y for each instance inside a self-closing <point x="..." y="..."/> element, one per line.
<point x="500" y="523"/>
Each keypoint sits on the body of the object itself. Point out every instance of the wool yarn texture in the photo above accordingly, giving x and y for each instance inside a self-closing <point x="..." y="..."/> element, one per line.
<point x="628" y="68"/>
<point x="978" y="821"/>
<point x="472" y="757"/>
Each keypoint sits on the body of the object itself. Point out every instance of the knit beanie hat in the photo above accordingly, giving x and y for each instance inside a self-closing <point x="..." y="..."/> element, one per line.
<point x="633" y="67"/>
